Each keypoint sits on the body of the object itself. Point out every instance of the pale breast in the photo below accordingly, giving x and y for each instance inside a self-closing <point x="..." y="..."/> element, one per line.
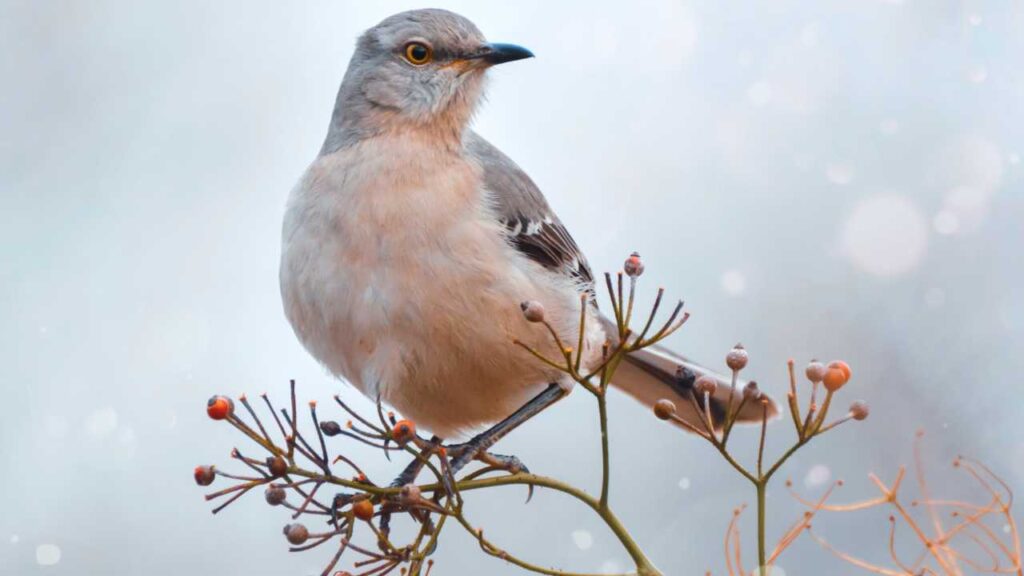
<point x="396" y="277"/>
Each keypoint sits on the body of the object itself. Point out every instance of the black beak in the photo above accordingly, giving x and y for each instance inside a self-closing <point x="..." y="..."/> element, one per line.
<point x="500" y="53"/>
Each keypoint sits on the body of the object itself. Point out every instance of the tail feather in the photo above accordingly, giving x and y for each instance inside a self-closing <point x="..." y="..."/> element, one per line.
<point x="656" y="373"/>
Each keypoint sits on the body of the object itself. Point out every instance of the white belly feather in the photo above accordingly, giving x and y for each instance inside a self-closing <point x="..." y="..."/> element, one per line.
<point x="397" y="278"/>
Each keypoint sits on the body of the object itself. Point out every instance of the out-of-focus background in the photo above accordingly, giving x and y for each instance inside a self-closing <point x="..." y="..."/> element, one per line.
<point x="827" y="179"/>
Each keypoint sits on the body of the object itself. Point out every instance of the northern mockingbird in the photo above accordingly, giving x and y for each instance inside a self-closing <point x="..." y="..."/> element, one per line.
<point x="410" y="242"/>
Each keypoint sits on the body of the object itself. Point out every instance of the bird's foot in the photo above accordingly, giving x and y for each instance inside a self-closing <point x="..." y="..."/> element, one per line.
<point x="463" y="454"/>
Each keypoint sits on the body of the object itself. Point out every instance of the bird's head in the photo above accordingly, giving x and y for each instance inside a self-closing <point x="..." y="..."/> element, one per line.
<point x="422" y="69"/>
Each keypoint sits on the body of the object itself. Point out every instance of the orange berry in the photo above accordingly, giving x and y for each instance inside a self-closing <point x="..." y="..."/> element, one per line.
<point x="363" y="509"/>
<point x="220" y="407"/>
<point x="834" y="379"/>
<point x="842" y="366"/>
<point x="404" y="431"/>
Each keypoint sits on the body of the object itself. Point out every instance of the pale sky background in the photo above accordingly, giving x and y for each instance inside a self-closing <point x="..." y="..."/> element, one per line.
<point x="817" y="179"/>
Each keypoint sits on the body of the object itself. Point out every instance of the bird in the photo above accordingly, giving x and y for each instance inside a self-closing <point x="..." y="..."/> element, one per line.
<point x="410" y="242"/>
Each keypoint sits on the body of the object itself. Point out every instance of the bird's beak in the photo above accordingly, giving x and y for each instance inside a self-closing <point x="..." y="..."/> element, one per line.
<point x="496" y="53"/>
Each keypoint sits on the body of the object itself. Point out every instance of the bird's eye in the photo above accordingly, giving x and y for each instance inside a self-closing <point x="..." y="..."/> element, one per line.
<point x="418" y="53"/>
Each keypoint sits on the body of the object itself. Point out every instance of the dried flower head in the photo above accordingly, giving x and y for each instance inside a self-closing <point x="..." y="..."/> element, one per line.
<point x="275" y="495"/>
<point x="815" y="371"/>
<point x="204" y="475"/>
<point x="737" y="358"/>
<point x="296" y="533"/>
<point x="533" y="310"/>
<point x="220" y="407"/>
<point x="634" y="266"/>
<point x="859" y="410"/>
<point x="705" y="385"/>
<point x="664" y="409"/>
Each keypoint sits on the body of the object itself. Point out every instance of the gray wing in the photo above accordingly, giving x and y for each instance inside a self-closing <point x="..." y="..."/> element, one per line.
<point x="531" y="226"/>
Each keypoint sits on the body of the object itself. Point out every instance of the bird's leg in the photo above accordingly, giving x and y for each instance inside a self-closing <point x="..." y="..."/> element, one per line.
<point x="408" y="476"/>
<point x="476" y="449"/>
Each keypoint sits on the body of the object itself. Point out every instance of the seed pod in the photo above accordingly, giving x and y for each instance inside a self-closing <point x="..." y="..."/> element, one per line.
<point x="859" y="410"/>
<point x="403" y="431"/>
<point x="204" y="475"/>
<point x="533" y="310"/>
<point x="363" y="509"/>
<point x="275" y="495"/>
<point x="634" y="266"/>
<point x="296" y="533"/>
<point x="220" y="407"/>
<point x="664" y="409"/>
<point x="815" y="371"/>
<point x="705" y="385"/>
<point x="278" y="466"/>
<point x="737" y="358"/>
<point x="330" y="428"/>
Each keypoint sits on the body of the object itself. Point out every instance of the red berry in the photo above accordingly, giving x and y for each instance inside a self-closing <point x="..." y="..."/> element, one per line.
<point x="220" y="407"/>
<point x="204" y="475"/>
<point x="363" y="509"/>
<point x="404" y="431"/>
<point x="634" y="266"/>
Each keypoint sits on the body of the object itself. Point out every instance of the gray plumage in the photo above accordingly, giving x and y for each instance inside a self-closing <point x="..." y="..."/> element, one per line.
<point x="410" y="242"/>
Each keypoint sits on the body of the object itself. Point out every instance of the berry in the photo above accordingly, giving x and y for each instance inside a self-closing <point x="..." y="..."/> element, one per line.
<point x="736" y="359"/>
<point x="705" y="385"/>
<point x="815" y="371"/>
<point x="204" y="475"/>
<point x="751" y="392"/>
<point x="278" y="466"/>
<point x="664" y="409"/>
<point x="330" y="427"/>
<point x="842" y="366"/>
<point x="533" y="310"/>
<point x="859" y="410"/>
<point x="834" y="379"/>
<point x="363" y="509"/>
<point x="220" y="407"/>
<point x="633" y="267"/>
<point x="296" y="533"/>
<point x="403" y="431"/>
<point x="275" y="495"/>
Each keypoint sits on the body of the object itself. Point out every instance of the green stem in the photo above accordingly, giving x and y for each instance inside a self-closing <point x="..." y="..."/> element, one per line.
<point x="643" y="564"/>
<point x="602" y="405"/>
<point x="761" y="513"/>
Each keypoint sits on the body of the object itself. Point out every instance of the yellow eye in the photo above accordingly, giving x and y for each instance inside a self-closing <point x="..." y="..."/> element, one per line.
<point x="418" y="54"/>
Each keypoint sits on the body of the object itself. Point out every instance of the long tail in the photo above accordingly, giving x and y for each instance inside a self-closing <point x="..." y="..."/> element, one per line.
<point x="655" y="373"/>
